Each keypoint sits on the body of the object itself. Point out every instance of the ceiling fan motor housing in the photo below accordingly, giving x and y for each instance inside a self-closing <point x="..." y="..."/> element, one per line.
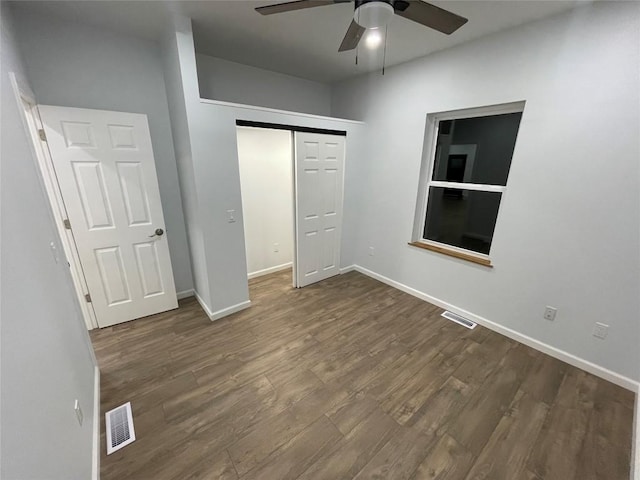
<point x="373" y="13"/>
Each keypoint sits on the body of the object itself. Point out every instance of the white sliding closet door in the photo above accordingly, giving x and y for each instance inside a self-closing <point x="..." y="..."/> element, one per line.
<point x="319" y="173"/>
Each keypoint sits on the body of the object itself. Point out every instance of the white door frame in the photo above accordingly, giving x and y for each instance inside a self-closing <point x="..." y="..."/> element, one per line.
<point x="31" y="122"/>
<point x="294" y="211"/>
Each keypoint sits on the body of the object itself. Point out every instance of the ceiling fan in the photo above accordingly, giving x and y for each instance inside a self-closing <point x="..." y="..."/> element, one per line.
<point x="377" y="13"/>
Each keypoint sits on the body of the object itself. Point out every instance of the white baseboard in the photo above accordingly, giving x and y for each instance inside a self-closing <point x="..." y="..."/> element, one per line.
<point x="203" y="304"/>
<point x="229" y="310"/>
<point x="221" y="313"/>
<point x="348" y="269"/>
<point x="95" y="460"/>
<point x="566" y="357"/>
<point x="635" y="453"/>
<point x="185" y="294"/>
<point x="269" y="270"/>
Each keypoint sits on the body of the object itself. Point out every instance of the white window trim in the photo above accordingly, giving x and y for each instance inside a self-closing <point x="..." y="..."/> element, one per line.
<point x="428" y="164"/>
<point x="453" y="248"/>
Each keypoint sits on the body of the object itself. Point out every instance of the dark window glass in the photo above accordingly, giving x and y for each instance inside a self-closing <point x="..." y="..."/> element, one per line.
<point x="462" y="218"/>
<point x="476" y="150"/>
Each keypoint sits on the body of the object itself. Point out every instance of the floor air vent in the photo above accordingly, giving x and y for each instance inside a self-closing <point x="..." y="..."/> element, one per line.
<point x="119" y="426"/>
<point x="459" y="320"/>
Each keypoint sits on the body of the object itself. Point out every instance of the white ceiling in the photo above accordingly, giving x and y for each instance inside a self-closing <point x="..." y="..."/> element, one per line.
<point x="303" y="43"/>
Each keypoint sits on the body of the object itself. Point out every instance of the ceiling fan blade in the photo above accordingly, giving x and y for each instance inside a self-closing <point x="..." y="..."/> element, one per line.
<point x="430" y="16"/>
<point x="352" y="37"/>
<point x="291" y="6"/>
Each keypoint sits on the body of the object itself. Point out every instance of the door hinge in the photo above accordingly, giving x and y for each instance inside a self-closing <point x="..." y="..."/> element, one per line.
<point x="42" y="135"/>
<point x="87" y="297"/>
<point x="67" y="224"/>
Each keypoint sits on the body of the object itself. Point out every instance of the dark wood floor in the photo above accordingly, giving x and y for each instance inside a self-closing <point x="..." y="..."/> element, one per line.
<point x="350" y="378"/>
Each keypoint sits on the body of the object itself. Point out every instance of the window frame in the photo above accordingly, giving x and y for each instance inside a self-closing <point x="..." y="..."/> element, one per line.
<point x="426" y="179"/>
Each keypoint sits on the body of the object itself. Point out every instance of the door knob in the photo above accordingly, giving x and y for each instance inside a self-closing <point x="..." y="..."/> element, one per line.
<point x="158" y="233"/>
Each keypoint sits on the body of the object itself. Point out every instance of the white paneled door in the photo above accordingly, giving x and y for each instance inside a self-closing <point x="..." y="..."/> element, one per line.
<point x="105" y="168"/>
<point x="319" y="170"/>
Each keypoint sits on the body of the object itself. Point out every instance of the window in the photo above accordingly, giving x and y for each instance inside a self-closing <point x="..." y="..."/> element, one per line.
<point x="464" y="177"/>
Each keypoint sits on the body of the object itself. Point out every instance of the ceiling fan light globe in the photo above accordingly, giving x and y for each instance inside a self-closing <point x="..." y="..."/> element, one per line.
<point x="373" y="38"/>
<point x="374" y="14"/>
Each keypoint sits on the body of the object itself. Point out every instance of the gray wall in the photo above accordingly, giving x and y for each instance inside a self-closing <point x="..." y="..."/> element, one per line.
<point x="46" y="356"/>
<point x="179" y="89"/>
<point x="79" y="66"/>
<point x="568" y="230"/>
<point x="233" y="82"/>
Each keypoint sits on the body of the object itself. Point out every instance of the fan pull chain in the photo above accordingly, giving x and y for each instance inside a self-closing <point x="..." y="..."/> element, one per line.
<point x="358" y="44"/>
<point x="384" y="53"/>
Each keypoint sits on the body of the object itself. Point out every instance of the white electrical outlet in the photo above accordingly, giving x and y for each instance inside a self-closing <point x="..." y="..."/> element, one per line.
<point x="600" y="330"/>
<point x="372" y="251"/>
<point x="276" y="247"/>
<point x="78" y="410"/>
<point x="231" y="218"/>
<point x="550" y="313"/>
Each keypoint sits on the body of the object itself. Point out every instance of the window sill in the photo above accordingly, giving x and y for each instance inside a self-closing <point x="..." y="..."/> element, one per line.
<point x="485" y="262"/>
